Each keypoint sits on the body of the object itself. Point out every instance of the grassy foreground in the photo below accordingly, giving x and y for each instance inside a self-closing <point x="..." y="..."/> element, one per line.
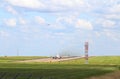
<point x="17" y="58"/>
<point x="73" y="69"/>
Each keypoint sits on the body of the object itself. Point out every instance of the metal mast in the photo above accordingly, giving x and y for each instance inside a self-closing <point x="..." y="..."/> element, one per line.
<point x="86" y="52"/>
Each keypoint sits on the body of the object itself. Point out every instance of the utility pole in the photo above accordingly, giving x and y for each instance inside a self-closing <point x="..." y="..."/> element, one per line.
<point x="86" y="53"/>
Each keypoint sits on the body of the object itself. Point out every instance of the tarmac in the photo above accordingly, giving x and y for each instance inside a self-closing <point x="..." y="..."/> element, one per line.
<point x="51" y="59"/>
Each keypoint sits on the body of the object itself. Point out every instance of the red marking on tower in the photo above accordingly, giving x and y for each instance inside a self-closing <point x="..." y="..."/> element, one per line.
<point x="86" y="52"/>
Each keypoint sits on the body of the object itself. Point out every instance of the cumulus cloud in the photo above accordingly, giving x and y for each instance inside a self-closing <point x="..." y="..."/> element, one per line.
<point x="98" y="34"/>
<point x="112" y="16"/>
<point x="50" y="5"/>
<point x="115" y="8"/>
<point x="3" y="33"/>
<point x="60" y="33"/>
<point x="68" y="20"/>
<point x="55" y="27"/>
<point x="22" y="21"/>
<point x="112" y="34"/>
<point x="33" y="4"/>
<point x="111" y="7"/>
<point x="84" y="24"/>
<point x="10" y="22"/>
<point x="40" y="20"/>
<point x="11" y="10"/>
<point x="106" y="23"/>
<point x="66" y="4"/>
<point x="69" y="3"/>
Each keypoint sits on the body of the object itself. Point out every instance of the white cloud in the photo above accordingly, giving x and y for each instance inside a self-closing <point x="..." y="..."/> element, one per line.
<point x="56" y="26"/>
<point x="67" y="5"/>
<point x="40" y="20"/>
<point x="63" y="4"/>
<point x="112" y="34"/>
<point x="60" y="33"/>
<point x="51" y="5"/>
<point x="68" y="2"/>
<point x="98" y="34"/>
<point x="84" y="24"/>
<point x="69" y="19"/>
<point x="11" y="10"/>
<point x="33" y="4"/>
<point x="3" y="34"/>
<point x="25" y="29"/>
<point x="22" y="21"/>
<point x="106" y="23"/>
<point x="113" y="16"/>
<point x="115" y="8"/>
<point x="10" y="22"/>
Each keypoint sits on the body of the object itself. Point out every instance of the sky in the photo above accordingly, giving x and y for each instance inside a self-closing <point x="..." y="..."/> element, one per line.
<point x="49" y="27"/>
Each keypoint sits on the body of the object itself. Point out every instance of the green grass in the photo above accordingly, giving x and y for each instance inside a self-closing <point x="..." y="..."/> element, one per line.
<point x="18" y="58"/>
<point x="72" y="69"/>
<point x="101" y="60"/>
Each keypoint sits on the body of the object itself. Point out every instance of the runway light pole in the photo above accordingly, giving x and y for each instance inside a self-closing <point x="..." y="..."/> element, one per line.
<point x="86" y="53"/>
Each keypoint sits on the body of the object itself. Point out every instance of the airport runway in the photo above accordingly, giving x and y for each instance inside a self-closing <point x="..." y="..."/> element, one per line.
<point x="51" y="60"/>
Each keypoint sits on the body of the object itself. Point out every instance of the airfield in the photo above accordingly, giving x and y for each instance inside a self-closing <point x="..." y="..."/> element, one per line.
<point x="36" y="67"/>
<point x="50" y="59"/>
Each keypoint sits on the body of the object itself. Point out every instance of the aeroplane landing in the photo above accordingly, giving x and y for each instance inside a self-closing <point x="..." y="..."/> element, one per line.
<point x="51" y="60"/>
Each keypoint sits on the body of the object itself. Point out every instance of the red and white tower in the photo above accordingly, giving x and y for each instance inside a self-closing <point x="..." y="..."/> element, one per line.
<point x="86" y="52"/>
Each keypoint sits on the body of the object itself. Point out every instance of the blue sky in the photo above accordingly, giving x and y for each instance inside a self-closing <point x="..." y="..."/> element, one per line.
<point x="48" y="27"/>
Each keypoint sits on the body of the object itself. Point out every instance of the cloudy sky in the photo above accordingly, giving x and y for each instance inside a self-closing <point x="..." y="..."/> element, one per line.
<point x="47" y="27"/>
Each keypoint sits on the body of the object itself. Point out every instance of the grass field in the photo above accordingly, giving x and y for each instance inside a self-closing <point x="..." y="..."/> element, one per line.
<point x="18" y="58"/>
<point x="72" y="69"/>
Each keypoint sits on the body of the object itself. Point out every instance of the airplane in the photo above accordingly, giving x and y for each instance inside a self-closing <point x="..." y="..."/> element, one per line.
<point x="57" y="57"/>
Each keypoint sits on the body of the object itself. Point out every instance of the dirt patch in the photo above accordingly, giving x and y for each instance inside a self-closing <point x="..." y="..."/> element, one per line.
<point x="114" y="75"/>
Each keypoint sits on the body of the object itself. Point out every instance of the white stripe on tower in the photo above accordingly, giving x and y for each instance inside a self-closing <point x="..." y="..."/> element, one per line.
<point x="86" y="52"/>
